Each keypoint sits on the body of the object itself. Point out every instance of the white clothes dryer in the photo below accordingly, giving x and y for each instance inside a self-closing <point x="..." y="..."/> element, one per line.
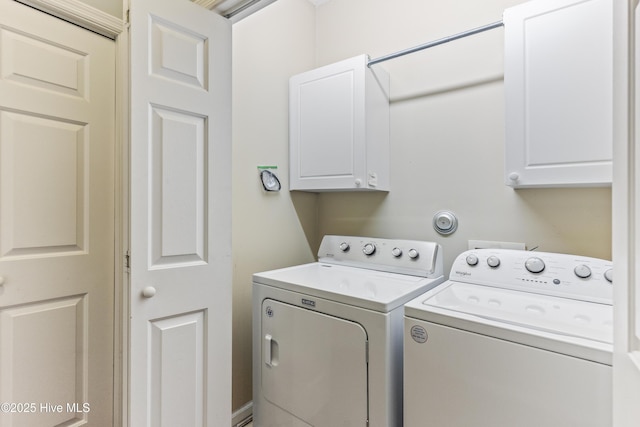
<point x="327" y="336"/>
<point x="513" y="338"/>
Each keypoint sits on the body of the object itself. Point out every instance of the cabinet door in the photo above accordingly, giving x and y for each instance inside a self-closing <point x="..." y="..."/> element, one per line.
<point x="327" y="133"/>
<point x="314" y="366"/>
<point x="558" y="86"/>
<point x="339" y="128"/>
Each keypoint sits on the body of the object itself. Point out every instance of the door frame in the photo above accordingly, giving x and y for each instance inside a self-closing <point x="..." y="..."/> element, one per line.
<point x="626" y="213"/>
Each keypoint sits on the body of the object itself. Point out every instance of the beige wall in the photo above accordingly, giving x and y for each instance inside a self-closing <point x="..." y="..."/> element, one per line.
<point x="112" y="7"/>
<point x="447" y="139"/>
<point x="447" y="135"/>
<point x="270" y="230"/>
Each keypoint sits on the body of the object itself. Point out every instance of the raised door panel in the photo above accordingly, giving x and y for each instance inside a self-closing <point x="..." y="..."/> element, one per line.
<point x="177" y="347"/>
<point x="558" y="85"/>
<point x="314" y="366"/>
<point x="327" y="118"/>
<point x="43" y="197"/>
<point x="178" y="145"/>
<point x="44" y="363"/>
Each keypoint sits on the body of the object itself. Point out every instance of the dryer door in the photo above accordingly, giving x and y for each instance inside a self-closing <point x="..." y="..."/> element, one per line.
<point x="314" y="366"/>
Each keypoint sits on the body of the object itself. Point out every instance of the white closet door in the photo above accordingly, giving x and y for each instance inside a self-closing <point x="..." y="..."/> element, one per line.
<point x="180" y="283"/>
<point x="314" y="366"/>
<point x="57" y="106"/>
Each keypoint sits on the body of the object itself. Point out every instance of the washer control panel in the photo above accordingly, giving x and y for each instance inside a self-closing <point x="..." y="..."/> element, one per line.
<point x="413" y="257"/>
<point x="569" y="276"/>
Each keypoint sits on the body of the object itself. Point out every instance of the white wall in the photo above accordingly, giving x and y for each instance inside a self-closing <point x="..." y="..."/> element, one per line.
<point x="270" y="230"/>
<point x="447" y="139"/>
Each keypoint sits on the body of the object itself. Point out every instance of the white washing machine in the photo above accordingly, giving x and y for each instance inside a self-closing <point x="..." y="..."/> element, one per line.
<point x="513" y="338"/>
<point x="327" y="336"/>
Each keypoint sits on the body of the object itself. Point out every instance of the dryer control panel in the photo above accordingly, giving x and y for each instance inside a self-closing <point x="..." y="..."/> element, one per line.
<point x="568" y="276"/>
<point x="413" y="257"/>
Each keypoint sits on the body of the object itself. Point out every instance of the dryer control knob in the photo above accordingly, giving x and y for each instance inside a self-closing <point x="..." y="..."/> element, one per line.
<point x="609" y="275"/>
<point x="369" y="249"/>
<point x="344" y="246"/>
<point x="396" y="252"/>
<point x="413" y="254"/>
<point x="582" y="271"/>
<point x="493" y="261"/>
<point x="472" y="259"/>
<point x="534" y="265"/>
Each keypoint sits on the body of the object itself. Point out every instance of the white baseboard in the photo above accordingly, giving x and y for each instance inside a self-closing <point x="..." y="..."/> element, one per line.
<point x="242" y="415"/>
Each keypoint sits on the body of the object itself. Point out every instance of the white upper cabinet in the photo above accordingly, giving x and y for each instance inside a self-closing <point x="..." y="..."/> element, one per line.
<point x="339" y="128"/>
<point x="558" y="86"/>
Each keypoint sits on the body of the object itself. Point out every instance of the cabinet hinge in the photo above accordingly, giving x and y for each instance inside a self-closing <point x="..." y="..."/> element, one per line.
<point x="127" y="21"/>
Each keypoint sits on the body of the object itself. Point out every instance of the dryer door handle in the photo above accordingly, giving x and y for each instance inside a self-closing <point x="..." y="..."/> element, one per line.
<point x="270" y="351"/>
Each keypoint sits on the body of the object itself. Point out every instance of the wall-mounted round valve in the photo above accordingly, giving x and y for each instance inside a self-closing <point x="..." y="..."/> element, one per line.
<point x="445" y="222"/>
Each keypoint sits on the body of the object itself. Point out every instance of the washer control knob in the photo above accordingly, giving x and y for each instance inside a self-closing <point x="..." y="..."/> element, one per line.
<point x="582" y="271"/>
<point x="369" y="249"/>
<point x="413" y="254"/>
<point x="472" y="259"/>
<point x="609" y="275"/>
<point x="493" y="261"/>
<point x="396" y="252"/>
<point x="534" y="265"/>
<point x="344" y="246"/>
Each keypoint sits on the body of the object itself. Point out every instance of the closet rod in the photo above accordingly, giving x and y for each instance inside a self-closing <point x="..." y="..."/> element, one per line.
<point x="435" y="43"/>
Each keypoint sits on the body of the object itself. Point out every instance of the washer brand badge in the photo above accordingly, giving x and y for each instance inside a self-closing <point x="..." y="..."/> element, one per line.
<point x="308" y="302"/>
<point x="463" y="273"/>
<point x="419" y="334"/>
<point x="269" y="311"/>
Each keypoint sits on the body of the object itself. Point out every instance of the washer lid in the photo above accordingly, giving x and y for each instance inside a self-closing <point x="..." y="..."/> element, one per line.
<point x="544" y="313"/>
<point x="361" y="287"/>
<point x="575" y="328"/>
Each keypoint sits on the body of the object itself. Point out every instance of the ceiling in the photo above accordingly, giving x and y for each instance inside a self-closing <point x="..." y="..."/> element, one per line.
<point x="235" y="10"/>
